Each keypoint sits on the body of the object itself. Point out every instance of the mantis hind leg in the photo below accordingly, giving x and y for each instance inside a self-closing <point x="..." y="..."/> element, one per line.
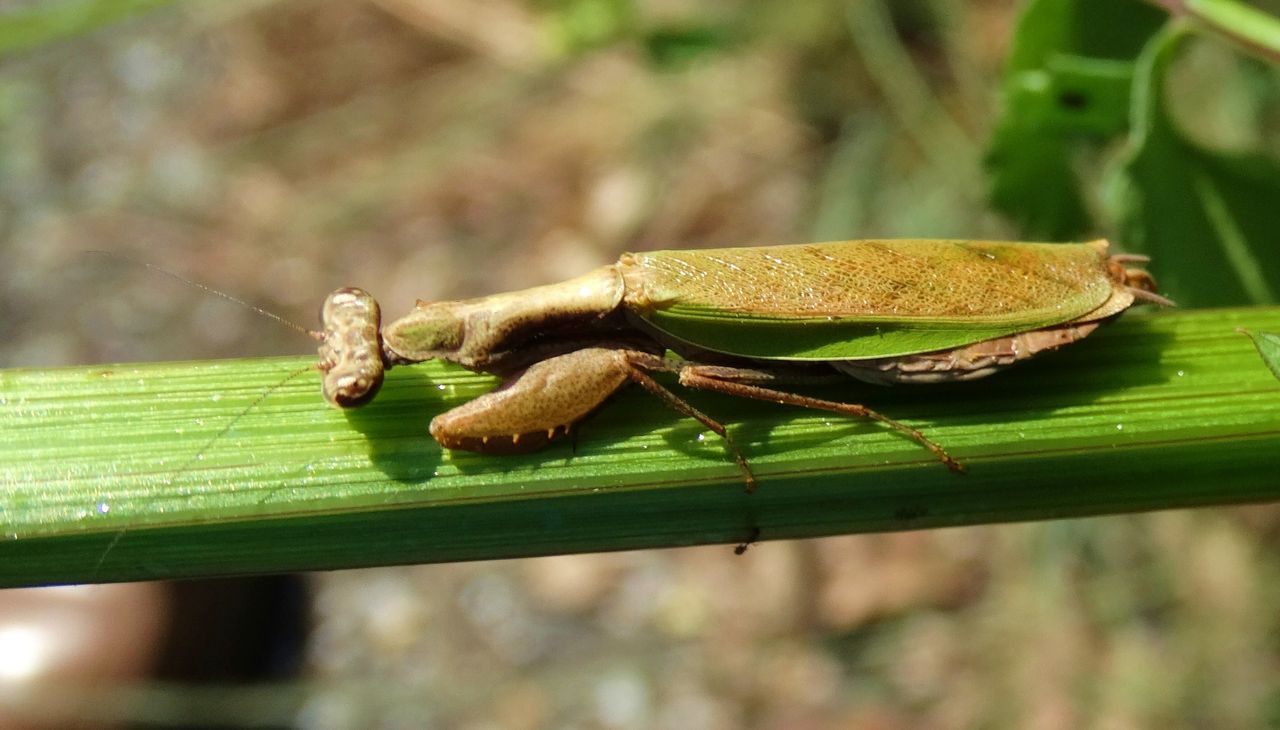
<point x="745" y="383"/>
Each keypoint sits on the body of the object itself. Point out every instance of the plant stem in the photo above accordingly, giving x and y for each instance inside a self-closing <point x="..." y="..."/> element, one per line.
<point x="169" y="470"/>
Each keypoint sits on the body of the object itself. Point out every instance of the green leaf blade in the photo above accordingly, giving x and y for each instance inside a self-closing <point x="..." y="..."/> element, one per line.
<point x="1268" y="344"/>
<point x="158" y="470"/>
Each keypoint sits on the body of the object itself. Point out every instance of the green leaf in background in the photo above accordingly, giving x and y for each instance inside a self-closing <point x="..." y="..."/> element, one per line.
<point x="577" y="26"/>
<point x="1067" y="80"/>
<point x="1208" y="218"/>
<point x="1268" y="344"/>
<point x="1252" y="29"/>
<point x="47" y="22"/>
<point x="676" y="45"/>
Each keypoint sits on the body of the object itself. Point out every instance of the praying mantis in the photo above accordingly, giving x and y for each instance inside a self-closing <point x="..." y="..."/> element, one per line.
<point x="749" y="322"/>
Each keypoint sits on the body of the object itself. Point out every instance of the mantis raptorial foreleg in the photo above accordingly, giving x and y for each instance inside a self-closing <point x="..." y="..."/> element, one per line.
<point x="543" y="401"/>
<point x="534" y="405"/>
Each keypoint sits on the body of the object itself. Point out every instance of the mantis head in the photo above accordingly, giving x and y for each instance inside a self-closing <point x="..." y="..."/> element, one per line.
<point x="351" y="357"/>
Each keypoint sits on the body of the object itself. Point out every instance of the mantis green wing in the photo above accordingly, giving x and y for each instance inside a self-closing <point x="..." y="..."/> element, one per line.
<point x="868" y="299"/>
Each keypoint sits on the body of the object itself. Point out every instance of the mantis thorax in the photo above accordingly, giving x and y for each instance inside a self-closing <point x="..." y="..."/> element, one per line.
<point x="472" y="332"/>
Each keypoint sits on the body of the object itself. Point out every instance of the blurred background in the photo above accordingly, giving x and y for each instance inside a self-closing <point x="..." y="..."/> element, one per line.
<point x="278" y="149"/>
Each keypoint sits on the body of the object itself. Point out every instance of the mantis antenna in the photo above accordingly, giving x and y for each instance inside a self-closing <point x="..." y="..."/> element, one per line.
<point x="313" y="334"/>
